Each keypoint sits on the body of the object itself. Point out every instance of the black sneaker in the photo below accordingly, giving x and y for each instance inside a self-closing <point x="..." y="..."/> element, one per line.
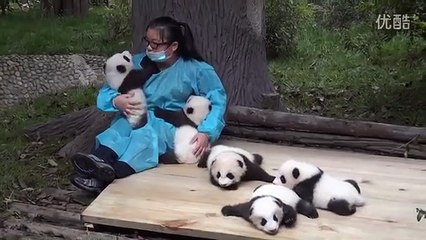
<point x="88" y="165"/>
<point x="88" y="184"/>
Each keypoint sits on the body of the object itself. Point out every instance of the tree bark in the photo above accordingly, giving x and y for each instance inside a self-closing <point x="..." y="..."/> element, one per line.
<point x="229" y="36"/>
<point x="372" y="145"/>
<point x="271" y="125"/>
<point x="317" y="124"/>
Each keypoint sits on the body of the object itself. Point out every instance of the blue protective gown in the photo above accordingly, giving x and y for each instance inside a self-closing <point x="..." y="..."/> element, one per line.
<point x="168" y="89"/>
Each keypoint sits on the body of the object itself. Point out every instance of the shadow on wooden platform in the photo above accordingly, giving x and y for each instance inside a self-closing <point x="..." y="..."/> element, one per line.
<point x="180" y="199"/>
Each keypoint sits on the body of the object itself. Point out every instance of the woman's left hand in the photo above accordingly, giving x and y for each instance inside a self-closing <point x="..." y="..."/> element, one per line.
<point x="202" y="141"/>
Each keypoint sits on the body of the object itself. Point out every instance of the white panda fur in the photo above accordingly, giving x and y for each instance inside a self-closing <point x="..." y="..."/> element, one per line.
<point x="267" y="209"/>
<point x="314" y="185"/>
<point x="185" y="121"/>
<point x="119" y="71"/>
<point x="184" y="134"/>
<point x="228" y="166"/>
<point x="287" y="196"/>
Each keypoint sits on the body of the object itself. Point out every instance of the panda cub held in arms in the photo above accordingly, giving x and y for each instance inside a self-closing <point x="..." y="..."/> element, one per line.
<point x="121" y="75"/>
<point x="324" y="191"/>
<point x="228" y="166"/>
<point x="186" y="122"/>
<point x="270" y="207"/>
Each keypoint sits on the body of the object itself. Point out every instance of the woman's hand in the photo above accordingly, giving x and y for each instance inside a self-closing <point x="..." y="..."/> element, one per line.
<point x="202" y="141"/>
<point x="125" y="104"/>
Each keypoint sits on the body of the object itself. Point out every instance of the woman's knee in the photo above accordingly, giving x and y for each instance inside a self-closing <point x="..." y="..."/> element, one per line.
<point x="122" y="169"/>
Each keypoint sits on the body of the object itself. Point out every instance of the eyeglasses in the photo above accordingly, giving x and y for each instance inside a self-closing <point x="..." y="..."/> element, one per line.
<point x="154" y="45"/>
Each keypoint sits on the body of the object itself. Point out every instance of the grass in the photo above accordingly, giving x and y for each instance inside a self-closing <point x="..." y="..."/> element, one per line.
<point x="31" y="33"/>
<point x="354" y="74"/>
<point x="27" y="166"/>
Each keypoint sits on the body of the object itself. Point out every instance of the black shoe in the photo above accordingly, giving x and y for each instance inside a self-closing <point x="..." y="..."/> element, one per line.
<point x="88" y="184"/>
<point x="88" y="165"/>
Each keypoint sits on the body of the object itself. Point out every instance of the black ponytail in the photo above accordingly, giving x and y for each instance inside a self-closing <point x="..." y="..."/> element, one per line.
<point x="189" y="49"/>
<point x="172" y="30"/>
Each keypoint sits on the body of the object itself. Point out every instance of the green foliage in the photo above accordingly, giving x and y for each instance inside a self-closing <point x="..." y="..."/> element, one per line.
<point x="28" y="164"/>
<point x="119" y="20"/>
<point x="354" y="74"/>
<point x="281" y="27"/>
<point x="340" y="14"/>
<point x="31" y="33"/>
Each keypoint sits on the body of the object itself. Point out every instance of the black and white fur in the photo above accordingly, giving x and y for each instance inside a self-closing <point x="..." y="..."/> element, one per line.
<point x="228" y="166"/>
<point x="270" y="207"/>
<point x="289" y="197"/>
<point x="314" y="185"/>
<point x="186" y="122"/>
<point x="121" y="75"/>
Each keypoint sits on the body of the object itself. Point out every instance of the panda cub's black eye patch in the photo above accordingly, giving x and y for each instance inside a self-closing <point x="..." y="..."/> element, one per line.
<point x="296" y="173"/>
<point x="240" y="163"/>
<point x="126" y="58"/>
<point x="275" y="218"/>
<point x="263" y="222"/>
<point x="210" y="107"/>
<point x="121" y="68"/>
<point x="218" y="175"/>
<point x="190" y="110"/>
<point x="230" y="176"/>
<point x="282" y="178"/>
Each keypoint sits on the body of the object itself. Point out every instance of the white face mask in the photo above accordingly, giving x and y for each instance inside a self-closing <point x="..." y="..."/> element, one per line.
<point x="157" y="56"/>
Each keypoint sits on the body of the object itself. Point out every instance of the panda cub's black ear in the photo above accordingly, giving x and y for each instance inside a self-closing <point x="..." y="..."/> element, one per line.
<point x="104" y="67"/>
<point x="121" y="68"/>
<point x="210" y="107"/>
<point x="296" y="173"/>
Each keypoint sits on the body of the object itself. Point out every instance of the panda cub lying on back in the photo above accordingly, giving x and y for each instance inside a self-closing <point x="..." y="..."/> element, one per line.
<point x="324" y="191"/>
<point x="271" y="206"/>
<point x="121" y="75"/>
<point x="228" y="166"/>
<point x="186" y="122"/>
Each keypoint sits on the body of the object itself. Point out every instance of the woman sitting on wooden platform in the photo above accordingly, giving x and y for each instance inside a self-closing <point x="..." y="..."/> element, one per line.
<point x="120" y="150"/>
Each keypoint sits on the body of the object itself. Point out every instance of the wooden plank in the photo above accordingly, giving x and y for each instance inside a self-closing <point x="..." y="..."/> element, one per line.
<point x="180" y="200"/>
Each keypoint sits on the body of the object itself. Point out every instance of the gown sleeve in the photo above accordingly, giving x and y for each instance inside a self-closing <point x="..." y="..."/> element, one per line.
<point x="107" y="94"/>
<point x="210" y="86"/>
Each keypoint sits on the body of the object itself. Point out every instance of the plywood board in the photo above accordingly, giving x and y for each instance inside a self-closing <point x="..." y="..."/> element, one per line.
<point x="179" y="199"/>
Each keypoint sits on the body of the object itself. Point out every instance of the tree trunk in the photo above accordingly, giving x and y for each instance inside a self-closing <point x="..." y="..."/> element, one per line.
<point x="372" y="145"/>
<point x="317" y="124"/>
<point x="78" y="8"/>
<point x="229" y="36"/>
<point x="273" y="126"/>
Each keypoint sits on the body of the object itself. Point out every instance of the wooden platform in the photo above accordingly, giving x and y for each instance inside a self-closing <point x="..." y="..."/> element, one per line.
<point x="180" y="200"/>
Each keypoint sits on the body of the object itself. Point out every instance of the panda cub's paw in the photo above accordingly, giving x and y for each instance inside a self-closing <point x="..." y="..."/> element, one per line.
<point x="289" y="216"/>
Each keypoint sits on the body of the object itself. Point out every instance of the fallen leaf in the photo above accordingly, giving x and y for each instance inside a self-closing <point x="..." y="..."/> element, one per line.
<point x="175" y="224"/>
<point x="52" y="162"/>
<point x="327" y="228"/>
<point x="28" y="189"/>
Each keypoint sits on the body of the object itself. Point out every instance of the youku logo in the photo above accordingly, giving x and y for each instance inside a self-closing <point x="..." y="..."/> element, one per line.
<point x="420" y="214"/>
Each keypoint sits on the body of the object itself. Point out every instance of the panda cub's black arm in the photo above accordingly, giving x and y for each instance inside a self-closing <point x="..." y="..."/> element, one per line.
<point x="138" y="77"/>
<point x="176" y="118"/>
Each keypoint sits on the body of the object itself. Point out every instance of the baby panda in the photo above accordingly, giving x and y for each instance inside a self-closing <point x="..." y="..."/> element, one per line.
<point x="270" y="207"/>
<point x="314" y="185"/>
<point x="186" y="122"/>
<point x="228" y="166"/>
<point x="121" y="75"/>
<point x="192" y="114"/>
